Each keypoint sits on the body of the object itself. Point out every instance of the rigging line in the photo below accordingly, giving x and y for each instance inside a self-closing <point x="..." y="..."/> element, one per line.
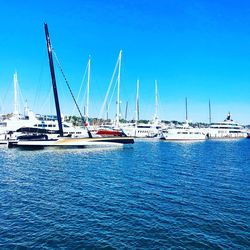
<point x="84" y="100"/>
<point x="7" y="91"/>
<point x="1" y="104"/>
<point x="1" y="107"/>
<point x="110" y="84"/>
<point x="21" y="95"/>
<point x="67" y="83"/>
<point x="112" y="94"/>
<point x="47" y="100"/>
<point x="82" y="82"/>
<point x="159" y="103"/>
<point x="38" y="87"/>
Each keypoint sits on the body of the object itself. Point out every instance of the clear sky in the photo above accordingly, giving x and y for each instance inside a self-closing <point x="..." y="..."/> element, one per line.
<point x="195" y="49"/>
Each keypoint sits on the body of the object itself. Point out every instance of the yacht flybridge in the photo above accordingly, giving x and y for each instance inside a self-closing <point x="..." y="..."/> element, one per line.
<point x="41" y="141"/>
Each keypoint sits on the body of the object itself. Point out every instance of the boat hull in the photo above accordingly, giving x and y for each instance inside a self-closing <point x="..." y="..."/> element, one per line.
<point x="72" y="143"/>
<point x="184" y="135"/>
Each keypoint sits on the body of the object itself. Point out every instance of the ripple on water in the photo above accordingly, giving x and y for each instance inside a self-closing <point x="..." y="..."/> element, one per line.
<point x="151" y="195"/>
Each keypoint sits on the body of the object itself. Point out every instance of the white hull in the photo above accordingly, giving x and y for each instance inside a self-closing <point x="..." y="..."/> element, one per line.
<point x="226" y="133"/>
<point x="141" y="131"/>
<point x="184" y="134"/>
<point x="184" y="138"/>
<point x="73" y="142"/>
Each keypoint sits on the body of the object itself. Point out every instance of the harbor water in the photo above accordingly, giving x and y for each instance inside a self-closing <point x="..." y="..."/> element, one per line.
<point x="150" y="195"/>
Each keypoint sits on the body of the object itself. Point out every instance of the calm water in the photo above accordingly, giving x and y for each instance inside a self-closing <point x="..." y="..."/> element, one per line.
<point x="152" y="195"/>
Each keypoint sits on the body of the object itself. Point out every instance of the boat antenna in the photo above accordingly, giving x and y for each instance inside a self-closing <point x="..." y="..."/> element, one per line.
<point x="53" y="79"/>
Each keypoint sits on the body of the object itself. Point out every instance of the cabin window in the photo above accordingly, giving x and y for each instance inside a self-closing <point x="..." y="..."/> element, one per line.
<point x="3" y="124"/>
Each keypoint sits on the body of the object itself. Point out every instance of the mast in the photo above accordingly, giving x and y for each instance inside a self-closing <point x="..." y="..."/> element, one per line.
<point x="107" y="112"/>
<point x="126" y="111"/>
<point x="209" y="107"/>
<point x="26" y="108"/>
<point x="87" y="99"/>
<point x="156" y="101"/>
<point x="15" y="81"/>
<point x="118" y="90"/>
<point x="186" y="109"/>
<point x="53" y="79"/>
<point x="137" y="103"/>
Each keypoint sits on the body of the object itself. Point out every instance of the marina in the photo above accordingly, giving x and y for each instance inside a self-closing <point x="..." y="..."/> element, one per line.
<point x="32" y="131"/>
<point x="35" y="131"/>
<point x="124" y="125"/>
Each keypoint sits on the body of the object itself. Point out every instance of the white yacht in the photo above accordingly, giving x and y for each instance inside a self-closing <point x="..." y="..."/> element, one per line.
<point x="183" y="133"/>
<point x="226" y="129"/>
<point x="141" y="130"/>
<point x="11" y="128"/>
<point x="16" y="124"/>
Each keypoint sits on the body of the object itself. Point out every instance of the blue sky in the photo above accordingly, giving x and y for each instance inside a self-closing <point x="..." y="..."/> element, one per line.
<point x="195" y="49"/>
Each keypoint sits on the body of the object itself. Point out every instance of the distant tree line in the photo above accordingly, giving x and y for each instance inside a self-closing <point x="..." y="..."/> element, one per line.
<point x="76" y="121"/>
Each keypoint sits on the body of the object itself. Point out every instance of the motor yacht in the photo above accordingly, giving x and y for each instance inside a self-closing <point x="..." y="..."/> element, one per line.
<point x="226" y="129"/>
<point x="183" y="132"/>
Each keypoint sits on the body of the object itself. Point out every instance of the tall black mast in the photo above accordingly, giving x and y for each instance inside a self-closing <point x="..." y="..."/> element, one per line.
<point x="53" y="78"/>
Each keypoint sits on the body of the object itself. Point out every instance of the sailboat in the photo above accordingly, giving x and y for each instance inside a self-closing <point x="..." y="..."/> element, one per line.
<point x="61" y="141"/>
<point x="113" y="128"/>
